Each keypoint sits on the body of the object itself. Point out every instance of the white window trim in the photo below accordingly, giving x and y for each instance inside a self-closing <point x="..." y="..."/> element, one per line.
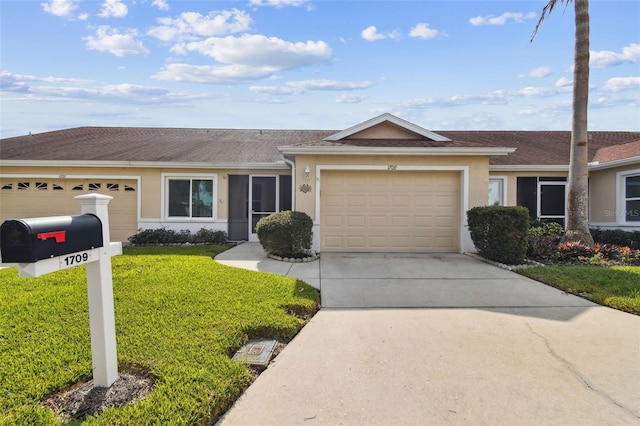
<point x="504" y="187"/>
<point x="164" y="196"/>
<point x="621" y="201"/>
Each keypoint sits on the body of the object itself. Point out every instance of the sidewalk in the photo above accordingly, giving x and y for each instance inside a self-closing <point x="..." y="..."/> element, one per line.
<point x="251" y="256"/>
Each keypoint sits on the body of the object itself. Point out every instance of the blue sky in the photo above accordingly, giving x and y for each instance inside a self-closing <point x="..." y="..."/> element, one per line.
<point x="296" y="64"/>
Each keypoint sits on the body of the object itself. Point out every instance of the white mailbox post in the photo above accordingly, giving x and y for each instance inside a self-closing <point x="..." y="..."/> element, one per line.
<point x="98" y="266"/>
<point x="100" y="289"/>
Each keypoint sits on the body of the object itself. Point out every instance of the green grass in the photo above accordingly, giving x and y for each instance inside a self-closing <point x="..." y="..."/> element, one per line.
<point x="179" y="315"/>
<point x="614" y="286"/>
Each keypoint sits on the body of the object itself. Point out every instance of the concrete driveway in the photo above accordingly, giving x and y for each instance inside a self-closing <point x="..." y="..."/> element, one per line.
<point x="379" y="280"/>
<point x="490" y="347"/>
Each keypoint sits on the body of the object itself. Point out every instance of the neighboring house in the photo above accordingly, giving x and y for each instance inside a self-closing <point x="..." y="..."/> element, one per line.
<point x="382" y="185"/>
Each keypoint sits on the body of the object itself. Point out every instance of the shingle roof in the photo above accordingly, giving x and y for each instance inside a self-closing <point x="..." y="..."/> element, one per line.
<point x="540" y="147"/>
<point x="234" y="146"/>
<point x="155" y="144"/>
<point x="617" y="152"/>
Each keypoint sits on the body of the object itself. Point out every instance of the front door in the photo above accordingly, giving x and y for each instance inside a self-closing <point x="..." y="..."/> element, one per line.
<point x="552" y="201"/>
<point x="264" y="200"/>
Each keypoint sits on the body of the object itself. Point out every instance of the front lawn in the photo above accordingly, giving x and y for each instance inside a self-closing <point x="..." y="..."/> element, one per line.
<point x="179" y="316"/>
<point x="614" y="286"/>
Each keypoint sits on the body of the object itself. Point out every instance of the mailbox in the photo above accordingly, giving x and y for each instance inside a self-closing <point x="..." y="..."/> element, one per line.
<point x="33" y="239"/>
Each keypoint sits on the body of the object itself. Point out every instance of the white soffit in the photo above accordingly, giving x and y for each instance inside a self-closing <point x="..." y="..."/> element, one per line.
<point x="391" y="119"/>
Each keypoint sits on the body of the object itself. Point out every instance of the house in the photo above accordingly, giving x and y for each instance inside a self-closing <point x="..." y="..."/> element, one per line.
<point x="382" y="185"/>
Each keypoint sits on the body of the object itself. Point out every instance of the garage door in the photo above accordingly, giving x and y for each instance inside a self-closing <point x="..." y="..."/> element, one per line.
<point x="25" y="197"/>
<point x="395" y="211"/>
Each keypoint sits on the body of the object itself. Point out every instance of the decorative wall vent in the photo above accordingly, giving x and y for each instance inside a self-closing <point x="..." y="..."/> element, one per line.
<point x="304" y="188"/>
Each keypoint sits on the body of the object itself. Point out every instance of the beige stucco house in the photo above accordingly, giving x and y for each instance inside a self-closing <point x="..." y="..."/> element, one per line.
<point x="382" y="185"/>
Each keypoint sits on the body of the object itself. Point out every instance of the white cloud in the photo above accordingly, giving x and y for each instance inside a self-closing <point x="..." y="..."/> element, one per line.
<point x="277" y="3"/>
<point x="213" y="74"/>
<point x="423" y="31"/>
<point x="261" y="51"/>
<point x="371" y="34"/>
<point x="57" y="88"/>
<point x="350" y="98"/>
<point x="539" y="72"/>
<point x="113" y="9"/>
<point x="59" y="7"/>
<point x="618" y="84"/>
<point x="537" y="92"/>
<point x="502" y="19"/>
<point x="110" y="40"/>
<point x="564" y="82"/>
<point x="160" y="4"/>
<point x="606" y="58"/>
<point x="190" y="25"/>
<point x="495" y="97"/>
<point x="302" y="86"/>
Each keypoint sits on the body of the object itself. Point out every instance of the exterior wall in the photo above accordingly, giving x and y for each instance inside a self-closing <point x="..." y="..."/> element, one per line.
<point x="606" y="195"/>
<point x="602" y="196"/>
<point x="384" y="131"/>
<point x="512" y="180"/>
<point x="150" y="211"/>
<point x="476" y="192"/>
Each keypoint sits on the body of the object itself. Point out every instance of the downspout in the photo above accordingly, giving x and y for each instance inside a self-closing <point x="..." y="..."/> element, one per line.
<point x="293" y="181"/>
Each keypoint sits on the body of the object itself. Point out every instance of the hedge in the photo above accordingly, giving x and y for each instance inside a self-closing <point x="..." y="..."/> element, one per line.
<point x="286" y="233"/>
<point x="500" y="233"/>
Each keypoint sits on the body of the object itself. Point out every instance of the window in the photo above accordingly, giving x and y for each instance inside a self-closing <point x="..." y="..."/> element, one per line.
<point x="496" y="192"/>
<point x="544" y="196"/>
<point x="632" y="198"/>
<point x="190" y="198"/>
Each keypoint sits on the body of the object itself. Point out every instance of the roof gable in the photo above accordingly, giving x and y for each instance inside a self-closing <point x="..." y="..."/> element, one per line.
<point x="386" y="126"/>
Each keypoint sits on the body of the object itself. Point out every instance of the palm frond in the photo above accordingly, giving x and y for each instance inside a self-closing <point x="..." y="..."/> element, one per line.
<point x="547" y="10"/>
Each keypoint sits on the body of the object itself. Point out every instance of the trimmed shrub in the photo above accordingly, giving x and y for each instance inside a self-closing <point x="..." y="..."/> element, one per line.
<point x="500" y="233"/>
<point x="617" y="237"/>
<point x="160" y="236"/>
<point x="169" y="236"/>
<point x="209" y="236"/>
<point x="286" y="233"/>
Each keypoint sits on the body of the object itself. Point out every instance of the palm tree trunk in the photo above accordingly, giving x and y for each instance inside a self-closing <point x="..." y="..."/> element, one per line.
<point x="577" y="227"/>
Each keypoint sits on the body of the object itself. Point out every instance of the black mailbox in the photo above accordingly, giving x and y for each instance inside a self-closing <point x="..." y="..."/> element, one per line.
<point x="30" y="240"/>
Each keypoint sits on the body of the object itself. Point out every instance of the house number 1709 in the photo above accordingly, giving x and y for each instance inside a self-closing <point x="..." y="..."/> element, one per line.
<point x="75" y="259"/>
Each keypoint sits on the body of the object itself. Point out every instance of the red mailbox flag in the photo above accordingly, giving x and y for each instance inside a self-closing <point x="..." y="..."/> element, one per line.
<point x="60" y="236"/>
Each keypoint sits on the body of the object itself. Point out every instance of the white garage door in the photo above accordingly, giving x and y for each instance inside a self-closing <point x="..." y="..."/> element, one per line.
<point x="395" y="211"/>
<point x="29" y="197"/>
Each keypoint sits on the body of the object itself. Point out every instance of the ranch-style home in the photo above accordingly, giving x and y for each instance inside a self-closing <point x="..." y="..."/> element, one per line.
<point x="382" y="185"/>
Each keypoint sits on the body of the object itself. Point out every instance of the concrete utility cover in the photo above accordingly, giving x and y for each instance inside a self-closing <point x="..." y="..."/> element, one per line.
<point x="256" y="352"/>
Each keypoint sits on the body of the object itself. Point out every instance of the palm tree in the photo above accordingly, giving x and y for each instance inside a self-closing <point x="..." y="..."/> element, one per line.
<point x="577" y="226"/>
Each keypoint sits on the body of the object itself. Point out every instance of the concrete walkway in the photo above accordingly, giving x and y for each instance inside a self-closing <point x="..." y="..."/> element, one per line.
<point x="515" y="352"/>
